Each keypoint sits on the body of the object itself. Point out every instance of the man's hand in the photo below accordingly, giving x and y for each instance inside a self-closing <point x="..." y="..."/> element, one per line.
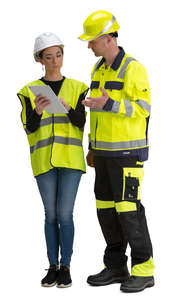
<point x="90" y="159"/>
<point x="68" y="107"/>
<point x="98" y="102"/>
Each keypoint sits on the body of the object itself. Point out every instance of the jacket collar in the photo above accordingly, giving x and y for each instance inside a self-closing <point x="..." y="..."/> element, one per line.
<point x="117" y="62"/>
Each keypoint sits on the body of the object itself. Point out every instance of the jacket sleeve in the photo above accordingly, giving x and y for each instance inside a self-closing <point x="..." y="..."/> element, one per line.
<point x="135" y="101"/>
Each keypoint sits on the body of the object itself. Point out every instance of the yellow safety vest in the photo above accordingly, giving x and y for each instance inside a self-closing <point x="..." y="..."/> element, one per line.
<point x="123" y="130"/>
<point x="57" y="142"/>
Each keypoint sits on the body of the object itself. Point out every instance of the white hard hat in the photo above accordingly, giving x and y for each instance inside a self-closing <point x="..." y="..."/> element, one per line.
<point x="45" y="40"/>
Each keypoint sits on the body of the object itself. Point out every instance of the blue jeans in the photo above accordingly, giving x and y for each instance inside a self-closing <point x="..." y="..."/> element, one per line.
<point x="58" y="188"/>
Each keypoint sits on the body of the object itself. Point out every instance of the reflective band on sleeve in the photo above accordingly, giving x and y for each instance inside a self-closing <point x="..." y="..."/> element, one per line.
<point x="128" y="107"/>
<point x="123" y="68"/>
<point x="107" y="27"/>
<point x="144" y="105"/>
<point x="125" y="206"/>
<point x="119" y="145"/>
<point x="104" y="204"/>
<point x="115" y="107"/>
<point x="56" y="139"/>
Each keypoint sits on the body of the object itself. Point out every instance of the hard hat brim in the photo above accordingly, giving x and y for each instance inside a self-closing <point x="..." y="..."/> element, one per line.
<point x="85" y="37"/>
<point x="43" y="48"/>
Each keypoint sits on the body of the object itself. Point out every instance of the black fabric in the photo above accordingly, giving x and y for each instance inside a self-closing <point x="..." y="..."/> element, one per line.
<point x="77" y="116"/>
<point x="113" y="85"/>
<point x="124" y="227"/>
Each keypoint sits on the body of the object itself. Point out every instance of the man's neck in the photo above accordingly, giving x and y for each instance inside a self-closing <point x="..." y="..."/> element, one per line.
<point x="111" y="55"/>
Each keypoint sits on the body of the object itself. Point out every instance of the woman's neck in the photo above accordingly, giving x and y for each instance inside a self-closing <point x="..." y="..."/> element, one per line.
<point x="52" y="76"/>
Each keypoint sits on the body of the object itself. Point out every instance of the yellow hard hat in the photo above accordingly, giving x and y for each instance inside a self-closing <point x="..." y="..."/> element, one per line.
<point x="98" y="23"/>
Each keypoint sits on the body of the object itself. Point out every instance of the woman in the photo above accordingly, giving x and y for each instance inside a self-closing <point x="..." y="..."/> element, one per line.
<point x="57" y="156"/>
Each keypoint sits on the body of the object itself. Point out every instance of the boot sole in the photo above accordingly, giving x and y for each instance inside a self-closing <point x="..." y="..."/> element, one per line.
<point x="136" y="290"/>
<point x="64" y="285"/>
<point x="48" y="285"/>
<point x="117" y="280"/>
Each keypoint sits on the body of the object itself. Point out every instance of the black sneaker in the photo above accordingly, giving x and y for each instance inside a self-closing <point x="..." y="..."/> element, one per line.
<point x="51" y="278"/>
<point x="109" y="276"/>
<point x="64" y="278"/>
<point x="137" y="284"/>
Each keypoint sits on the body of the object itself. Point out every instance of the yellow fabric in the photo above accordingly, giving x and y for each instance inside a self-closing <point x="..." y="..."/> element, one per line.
<point x="55" y="153"/>
<point x="145" y="269"/>
<point x="96" y="23"/>
<point x="115" y="127"/>
<point x="125" y="206"/>
<point x="104" y="204"/>
<point x="133" y="172"/>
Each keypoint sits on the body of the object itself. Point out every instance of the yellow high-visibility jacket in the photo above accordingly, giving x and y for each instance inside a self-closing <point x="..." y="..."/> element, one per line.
<point x="121" y="129"/>
<point x="57" y="142"/>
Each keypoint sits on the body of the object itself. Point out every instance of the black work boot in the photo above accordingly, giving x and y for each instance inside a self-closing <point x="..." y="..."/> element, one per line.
<point x="108" y="276"/>
<point x="51" y="278"/>
<point x="64" y="277"/>
<point x="137" y="284"/>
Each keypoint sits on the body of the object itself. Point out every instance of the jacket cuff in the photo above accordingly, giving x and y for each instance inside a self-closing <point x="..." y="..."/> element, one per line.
<point x="109" y="104"/>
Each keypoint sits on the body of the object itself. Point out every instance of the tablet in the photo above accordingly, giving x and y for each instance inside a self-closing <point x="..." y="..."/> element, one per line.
<point x="55" y="107"/>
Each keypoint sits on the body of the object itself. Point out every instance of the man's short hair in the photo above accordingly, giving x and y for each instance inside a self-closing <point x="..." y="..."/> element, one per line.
<point x="114" y="34"/>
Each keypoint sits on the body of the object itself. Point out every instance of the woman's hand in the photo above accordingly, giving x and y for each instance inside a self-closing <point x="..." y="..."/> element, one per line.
<point x="40" y="103"/>
<point x="68" y="107"/>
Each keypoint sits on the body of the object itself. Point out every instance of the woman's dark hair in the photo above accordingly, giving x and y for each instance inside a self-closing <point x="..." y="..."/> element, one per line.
<point x="41" y="52"/>
<point x="114" y="34"/>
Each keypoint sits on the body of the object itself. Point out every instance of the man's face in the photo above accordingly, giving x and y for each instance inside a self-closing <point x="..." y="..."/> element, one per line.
<point x="98" y="46"/>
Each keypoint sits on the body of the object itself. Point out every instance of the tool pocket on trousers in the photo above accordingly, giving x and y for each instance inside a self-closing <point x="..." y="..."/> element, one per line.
<point x="131" y="188"/>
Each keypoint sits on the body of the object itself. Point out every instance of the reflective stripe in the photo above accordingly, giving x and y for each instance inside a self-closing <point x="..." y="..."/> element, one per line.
<point x="119" y="145"/>
<point x="95" y="68"/>
<point x="41" y="144"/>
<point x="97" y="110"/>
<point x="144" y="105"/>
<point x="123" y="68"/>
<point x="56" y="139"/>
<point x="128" y="107"/>
<point x="48" y="121"/>
<point x="107" y="27"/>
<point x="145" y="269"/>
<point x="115" y="107"/>
<point x="104" y="204"/>
<point x="125" y="206"/>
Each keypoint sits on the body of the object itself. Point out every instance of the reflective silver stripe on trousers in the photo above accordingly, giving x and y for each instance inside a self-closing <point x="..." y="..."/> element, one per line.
<point x="119" y="145"/>
<point x="107" y="27"/>
<point x="48" y="121"/>
<point x="123" y="68"/>
<point x="56" y="139"/>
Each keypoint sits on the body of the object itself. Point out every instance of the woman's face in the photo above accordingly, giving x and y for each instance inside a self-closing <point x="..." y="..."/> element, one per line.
<point x="52" y="58"/>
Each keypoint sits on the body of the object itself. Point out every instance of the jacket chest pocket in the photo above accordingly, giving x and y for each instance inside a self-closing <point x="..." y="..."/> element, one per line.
<point x="113" y="85"/>
<point x="131" y="188"/>
<point x="94" y="85"/>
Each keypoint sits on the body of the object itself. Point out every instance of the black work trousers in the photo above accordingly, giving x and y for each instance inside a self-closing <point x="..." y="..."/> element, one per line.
<point x="120" y="212"/>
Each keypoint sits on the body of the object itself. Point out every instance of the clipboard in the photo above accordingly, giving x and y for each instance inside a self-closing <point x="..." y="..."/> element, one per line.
<point x="55" y="107"/>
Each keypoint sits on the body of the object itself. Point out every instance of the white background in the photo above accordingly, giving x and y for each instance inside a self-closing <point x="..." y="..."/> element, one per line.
<point x="144" y="34"/>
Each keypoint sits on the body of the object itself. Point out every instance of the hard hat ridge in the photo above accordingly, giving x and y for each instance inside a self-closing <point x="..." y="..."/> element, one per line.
<point x="45" y="40"/>
<point x="99" y="23"/>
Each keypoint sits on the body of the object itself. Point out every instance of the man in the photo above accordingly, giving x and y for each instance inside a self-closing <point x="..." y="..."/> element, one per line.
<point x="119" y="115"/>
